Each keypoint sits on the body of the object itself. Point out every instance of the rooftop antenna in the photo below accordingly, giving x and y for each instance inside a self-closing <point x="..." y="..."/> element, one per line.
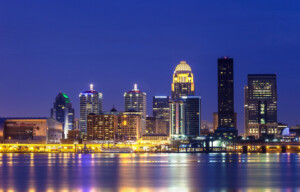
<point x="135" y="87"/>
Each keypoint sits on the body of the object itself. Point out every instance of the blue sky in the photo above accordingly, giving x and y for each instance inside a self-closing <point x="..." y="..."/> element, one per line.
<point x="58" y="45"/>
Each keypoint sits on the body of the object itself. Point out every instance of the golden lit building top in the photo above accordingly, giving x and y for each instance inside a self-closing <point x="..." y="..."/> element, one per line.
<point x="183" y="81"/>
<point x="183" y="66"/>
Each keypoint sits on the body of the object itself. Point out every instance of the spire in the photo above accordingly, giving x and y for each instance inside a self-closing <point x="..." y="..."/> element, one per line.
<point x="135" y="87"/>
<point x="91" y="87"/>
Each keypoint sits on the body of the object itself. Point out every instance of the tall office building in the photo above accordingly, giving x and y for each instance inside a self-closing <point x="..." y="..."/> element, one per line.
<point x="261" y="105"/>
<point x="63" y="112"/>
<point x="161" y="111"/>
<point x="183" y="81"/>
<point x="192" y="115"/>
<point x="161" y="107"/>
<point x="135" y="101"/>
<point x="90" y="102"/>
<point x="177" y="119"/>
<point x="225" y="98"/>
<point x="185" y="117"/>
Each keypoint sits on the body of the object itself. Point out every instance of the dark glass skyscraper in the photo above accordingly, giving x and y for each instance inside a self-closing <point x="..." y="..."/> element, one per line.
<point x="161" y="112"/>
<point x="185" y="117"/>
<point x="161" y="107"/>
<point x="192" y="115"/>
<point x="225" y="98"/>
<point x="63" y="112"/>
<point x="261" y="105"/>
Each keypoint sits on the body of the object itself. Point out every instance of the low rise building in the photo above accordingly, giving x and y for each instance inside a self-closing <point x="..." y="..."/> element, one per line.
<point x="119" y="126"/>
<point x="30" y="130"/>
<point x="155" y="139"/>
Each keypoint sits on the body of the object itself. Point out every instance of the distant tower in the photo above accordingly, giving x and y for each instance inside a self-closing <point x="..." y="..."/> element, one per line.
<point x="63" y="112"/>
<point x="183" y="81"/>
<point x="225" y="98"/>
<point x="261" y="105"/>
<point x="90" y="102"/>
<point x="135" y="101"/>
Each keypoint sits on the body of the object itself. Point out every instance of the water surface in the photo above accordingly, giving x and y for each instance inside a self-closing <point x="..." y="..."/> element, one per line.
<point x="149" y="172"/>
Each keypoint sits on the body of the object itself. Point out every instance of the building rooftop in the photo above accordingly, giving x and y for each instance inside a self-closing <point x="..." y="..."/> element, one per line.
<point x="183" y="66"/>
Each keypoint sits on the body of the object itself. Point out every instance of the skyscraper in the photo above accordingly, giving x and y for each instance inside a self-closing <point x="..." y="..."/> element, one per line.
<point x="161" y="110"/>
<point x="261" y="105"/>
<point x="183" y="81"/>
<point x="185" y="117"/>
<point x="177" y="119"/>
<point x="90" y="102"/>
<point x="225" y="98"/>
<point x="192" y="115"/>
<point x="135" y="101"/>
<point x="63" y="112"/>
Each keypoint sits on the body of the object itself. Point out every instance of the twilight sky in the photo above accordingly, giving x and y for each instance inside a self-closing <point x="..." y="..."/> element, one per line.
<point x="59" y="45"/>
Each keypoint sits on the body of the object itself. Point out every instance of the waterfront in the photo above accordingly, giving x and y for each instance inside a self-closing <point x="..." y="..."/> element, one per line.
<point x="148" y="172"/>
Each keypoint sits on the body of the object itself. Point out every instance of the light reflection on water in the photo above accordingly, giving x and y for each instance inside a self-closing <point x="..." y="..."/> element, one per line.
<point x="149" y="172"/>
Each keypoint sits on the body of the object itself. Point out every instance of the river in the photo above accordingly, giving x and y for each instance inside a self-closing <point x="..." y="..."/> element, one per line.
<point x="149" y="172"/>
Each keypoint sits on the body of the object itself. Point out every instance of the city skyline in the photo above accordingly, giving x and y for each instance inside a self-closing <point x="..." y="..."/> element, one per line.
<point x="149" y="109"/>
<point x="135" y="95"/>
<point x="267" y="44"/>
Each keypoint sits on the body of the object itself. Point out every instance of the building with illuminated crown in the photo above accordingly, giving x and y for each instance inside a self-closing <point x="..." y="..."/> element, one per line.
<point x="183" y="81"/>
<point x="90" y="102"/>
<point x="63" y="112"/>
<point x="135" y="102"/>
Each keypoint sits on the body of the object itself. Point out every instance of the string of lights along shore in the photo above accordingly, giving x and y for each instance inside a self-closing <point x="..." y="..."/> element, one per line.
<point x="176" y="116"/>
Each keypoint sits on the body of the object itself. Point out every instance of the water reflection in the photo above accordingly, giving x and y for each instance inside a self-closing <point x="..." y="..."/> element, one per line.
<point x="148" y="172"/>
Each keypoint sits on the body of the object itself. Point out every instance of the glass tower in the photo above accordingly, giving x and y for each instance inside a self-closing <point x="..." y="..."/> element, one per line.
<point x="63" y="112"/>
<point x="161" y="107"/>
<point x="225" y="98"/>
<point x="193" y="115"/>
<point x="90" y="102"/>
<point x="185" y="117"/>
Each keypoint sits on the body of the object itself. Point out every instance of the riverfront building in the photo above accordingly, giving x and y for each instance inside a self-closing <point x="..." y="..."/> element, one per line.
<point x="261" y="105"/>
<point x="90" y="102"/>
<point x="63" y="112"/>
<point x="30" y="130"/>
<point x="113" y="127"/>
<point x="226" y="127"/>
